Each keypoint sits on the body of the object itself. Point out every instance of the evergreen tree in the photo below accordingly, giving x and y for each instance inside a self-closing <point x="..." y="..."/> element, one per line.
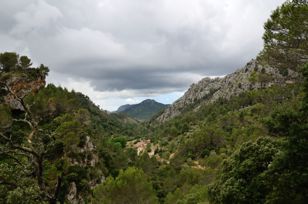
<point x="286" y="36"/>
<point x="25" y="62"/>
<point x="8" y="61"/>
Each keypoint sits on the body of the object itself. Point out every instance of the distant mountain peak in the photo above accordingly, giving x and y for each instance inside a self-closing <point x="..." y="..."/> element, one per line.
<point x="149" y="101"/>
<point x="142" y="111"/>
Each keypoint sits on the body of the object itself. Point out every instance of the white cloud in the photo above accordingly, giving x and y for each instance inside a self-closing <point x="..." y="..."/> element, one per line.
<point x="36" y="17"/>
<point x="118" y="50"/>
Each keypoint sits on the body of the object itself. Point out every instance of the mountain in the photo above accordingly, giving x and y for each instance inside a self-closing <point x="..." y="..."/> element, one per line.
<point x="142" y="111"/>
<point x="254" y="75"/>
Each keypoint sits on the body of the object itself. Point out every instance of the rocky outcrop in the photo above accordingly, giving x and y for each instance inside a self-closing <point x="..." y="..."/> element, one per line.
<point x="73" y="197"/>
<point x="143" y="146"/>
<point x="252" y="76"/>
<point x="88" y="150"/>
<point x="89" y="159"/>
<point x="18" y="85"/>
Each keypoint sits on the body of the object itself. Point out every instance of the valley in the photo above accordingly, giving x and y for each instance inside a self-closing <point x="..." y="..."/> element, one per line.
<point x="241" y="138"/>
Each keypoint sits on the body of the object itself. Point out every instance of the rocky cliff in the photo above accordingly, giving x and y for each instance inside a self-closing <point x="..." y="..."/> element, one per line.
<point x="254" y="75"/>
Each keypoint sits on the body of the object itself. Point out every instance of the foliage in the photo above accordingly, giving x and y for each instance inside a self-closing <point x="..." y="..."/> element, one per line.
<point x="131" y="186"/>
<point x="8" y="61"/>
<point x="25" y="62"/>
<point x="188" y="195"/>
<point x="263" y="171"/>
<point x="242" y="176"/>
<point x="12" y="63"/>
<point x="113" y="156"/>
<point x="290" y="168"/>
<point x="27" y="192"/>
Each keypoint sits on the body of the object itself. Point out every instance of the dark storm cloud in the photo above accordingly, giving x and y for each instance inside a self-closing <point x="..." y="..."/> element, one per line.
<point x="104" y="76"/>
<point x="137" y="45"/>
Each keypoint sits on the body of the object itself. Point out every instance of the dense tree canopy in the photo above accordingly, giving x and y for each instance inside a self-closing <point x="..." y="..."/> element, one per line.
<point x="290" y="167"/>
<point x="131" y="187"/>
<point x="242" y="176"/>
<point x="270" y="170"/>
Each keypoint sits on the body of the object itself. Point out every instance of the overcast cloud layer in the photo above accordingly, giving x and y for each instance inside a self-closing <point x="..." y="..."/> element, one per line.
<point x="122" y="51"/>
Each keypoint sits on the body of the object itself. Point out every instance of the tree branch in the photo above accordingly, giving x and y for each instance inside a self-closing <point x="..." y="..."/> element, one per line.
<point x="5" y="137"/>
<point x="24" y="121"/>
<point x="27" y="150"/>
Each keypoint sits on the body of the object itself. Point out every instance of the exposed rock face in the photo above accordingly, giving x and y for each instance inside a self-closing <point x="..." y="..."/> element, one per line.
<point x="90" y="159"/>
<point x="253" y="76"/>
<point x="73" y="196"/>
<point x="18" y="87"/>
<point x="143" y="146"/>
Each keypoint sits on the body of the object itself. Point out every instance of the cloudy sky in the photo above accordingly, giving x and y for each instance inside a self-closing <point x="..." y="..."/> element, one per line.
<point x="123" y="51"/>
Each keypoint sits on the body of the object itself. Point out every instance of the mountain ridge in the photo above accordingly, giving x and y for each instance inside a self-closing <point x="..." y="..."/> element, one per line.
<point x="254" y="75"/>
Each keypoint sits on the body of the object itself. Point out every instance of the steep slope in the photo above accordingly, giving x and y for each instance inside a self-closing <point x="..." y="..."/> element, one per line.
<point x="254" y="75"/>
<point x="142" y="111"/>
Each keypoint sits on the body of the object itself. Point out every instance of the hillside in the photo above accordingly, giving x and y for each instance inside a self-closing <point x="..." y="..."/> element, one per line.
<point x="254" y="75"/>
<point x="54" y="144"/>
<point x="244" y="133"/>
<point x="142" y="111"/>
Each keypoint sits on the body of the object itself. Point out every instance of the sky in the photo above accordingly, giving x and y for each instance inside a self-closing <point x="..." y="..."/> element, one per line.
<point x="124" y="51"/>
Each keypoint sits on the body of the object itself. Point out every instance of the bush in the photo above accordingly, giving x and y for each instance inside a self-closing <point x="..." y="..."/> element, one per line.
<point x="130" y="187"/>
